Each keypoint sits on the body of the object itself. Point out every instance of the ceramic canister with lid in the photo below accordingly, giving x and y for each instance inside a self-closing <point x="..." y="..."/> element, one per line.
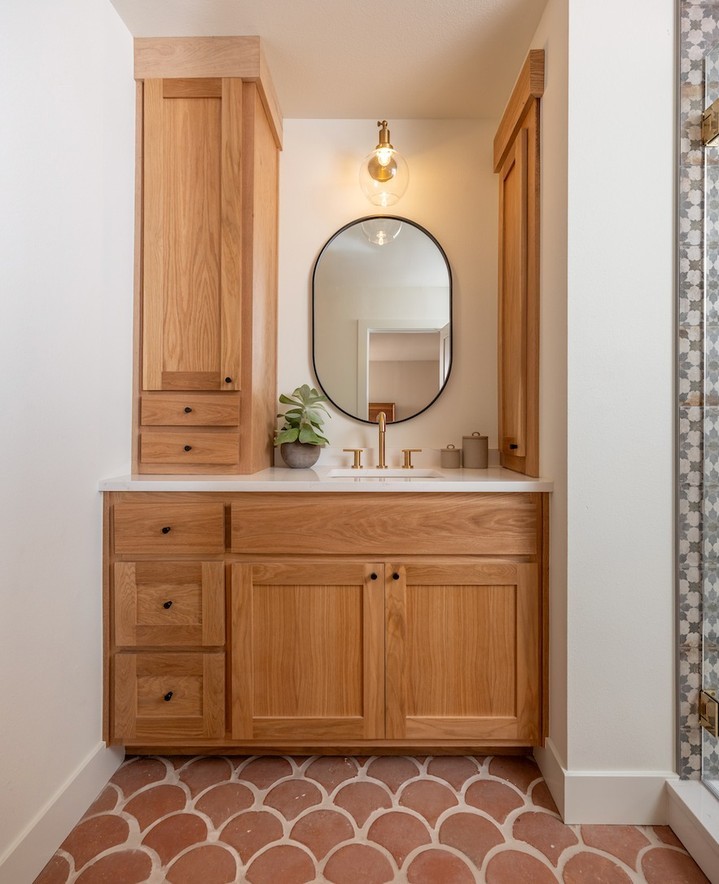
<point x="450" y="458"/>
<point x="475" y="452"/>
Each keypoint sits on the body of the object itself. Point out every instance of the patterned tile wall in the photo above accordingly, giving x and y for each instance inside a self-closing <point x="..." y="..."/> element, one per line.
<point x="698" y="385"/>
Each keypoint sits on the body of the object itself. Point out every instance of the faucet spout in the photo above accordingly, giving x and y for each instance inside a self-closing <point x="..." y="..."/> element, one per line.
<point x="382" y="421"/>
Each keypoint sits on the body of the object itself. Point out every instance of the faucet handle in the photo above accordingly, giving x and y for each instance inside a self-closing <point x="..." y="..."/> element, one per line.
<point x="408" y="452"/>
<point x="357" y="452"/>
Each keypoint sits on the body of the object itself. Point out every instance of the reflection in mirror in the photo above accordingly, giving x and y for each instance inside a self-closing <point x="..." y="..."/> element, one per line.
<point x="382" y="314"/>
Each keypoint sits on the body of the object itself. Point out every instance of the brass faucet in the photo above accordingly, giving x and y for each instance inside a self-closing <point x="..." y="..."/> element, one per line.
<point x="382" y="421"/>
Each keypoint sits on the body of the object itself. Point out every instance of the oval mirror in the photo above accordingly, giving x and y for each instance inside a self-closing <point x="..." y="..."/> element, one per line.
<point x="382" y="318"/>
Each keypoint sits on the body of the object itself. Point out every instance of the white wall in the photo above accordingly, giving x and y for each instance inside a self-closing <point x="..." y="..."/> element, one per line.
<point x="453" y="194"/>
<point x="66" y="173"/>
<point x="613" y="731"/>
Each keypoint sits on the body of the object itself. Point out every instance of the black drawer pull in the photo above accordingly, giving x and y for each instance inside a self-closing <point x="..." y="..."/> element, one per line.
<point x="373" y="576"/>
<point x="513" y="446"/>
<point x="228" y="380"/>
<point x="167" y="605"/>
<point x="166" y="529"/>
<point x="168" y="696"/>
<point x="395" y="576"/>
<point x="188" y="410"/>
<point x="188" y="447"/>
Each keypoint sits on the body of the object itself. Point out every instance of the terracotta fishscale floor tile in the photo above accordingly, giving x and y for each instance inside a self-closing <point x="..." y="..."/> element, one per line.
<point x="94" y="835"/>
<point x="662" y="864"/>
<point x="138" y="772"/>
<point x="223" y="801"/>
<point x="513" y="867"/>
<point x="263" y="772"/>
<point x="400" y="833"/>
<point x="126" y="866"/>
<point x="148" y="806"/>
<point x="542" y="797"/>
<point x="438" y="867"/>
<point x="177" y="761"/>
<point x="251" y="831"/>
<point x="471" y="833"/>
<point x="518" y="770"/>
<point x="292" y="797"/>
<point x="57" y="871"/>
<point x="392" y="770"/>
<point x="624" y="842"/>
<point x="204" y="772"/>
<point x="284" y="864"/>
<point x="428" y="798"/>
<point x="358" y="864"/>
<point x="330" y="771"/>
<point x="545" y="832"/>
<point x="174" y="833"/>
<point x="362" y="799"/>
<point x="321" y="830"/>
<point x="590" y="868"/>
<point x="665" y="834"/>
<point x="106" y="801"/>
<point x="493" y="798"/>
<point x="210" y="864"/>
<point x="456" y="771"/>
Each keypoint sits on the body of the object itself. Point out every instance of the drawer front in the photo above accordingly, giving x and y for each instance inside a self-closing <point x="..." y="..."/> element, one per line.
<point x="190" y="448"/>
<point x="169" y="528"/>
<point x="169" y="604"/>
<point x="166" y="696"/>
<point x="378" y="524"/>
<point x="190" y="411"/>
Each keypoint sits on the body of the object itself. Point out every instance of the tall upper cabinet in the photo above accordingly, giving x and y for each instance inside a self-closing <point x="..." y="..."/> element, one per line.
<point x="517" y="161"/>
<point x="209" y="135"/>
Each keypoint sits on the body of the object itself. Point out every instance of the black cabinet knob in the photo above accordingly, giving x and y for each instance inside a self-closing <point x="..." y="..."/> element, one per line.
<point x="168" y="696"/>
<point x="166" y="529"/>
<point x="167" y="605"/>
<point x="373" y="576"/>
<point x="188" y="410"/>
<point x="395" y="576"/>
<point x="188" y="447"/>
<point x="513" y="446"/>
<point x="228" y="380"/>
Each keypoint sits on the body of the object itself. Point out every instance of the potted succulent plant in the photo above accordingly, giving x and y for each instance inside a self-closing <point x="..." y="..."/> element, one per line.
<point x="300" y="438"/>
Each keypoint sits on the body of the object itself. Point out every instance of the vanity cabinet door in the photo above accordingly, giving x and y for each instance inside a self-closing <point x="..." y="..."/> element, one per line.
<point x="307" y="651"/>
<point x="463" y="653"/>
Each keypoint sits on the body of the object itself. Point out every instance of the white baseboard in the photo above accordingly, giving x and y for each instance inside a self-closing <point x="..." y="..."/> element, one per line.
<point x="694" y="818"/>
<point x="624" y="797"/>
<point x="29" y="853"/>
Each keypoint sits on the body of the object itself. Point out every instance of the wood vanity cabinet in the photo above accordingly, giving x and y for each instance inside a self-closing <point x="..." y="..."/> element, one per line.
<point x="517" y="161"/>
<point x="325" y="621"/>
<point x="209" y="135"/>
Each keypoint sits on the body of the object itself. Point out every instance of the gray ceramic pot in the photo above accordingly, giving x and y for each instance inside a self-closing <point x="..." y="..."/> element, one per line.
<point x="299" y="455"/>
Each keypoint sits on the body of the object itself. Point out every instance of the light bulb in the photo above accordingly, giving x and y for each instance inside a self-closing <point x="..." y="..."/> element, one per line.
<point x="384" y="174"/>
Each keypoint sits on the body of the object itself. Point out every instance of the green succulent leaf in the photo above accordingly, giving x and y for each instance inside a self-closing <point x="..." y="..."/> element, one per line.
<point x="304" y="420"/>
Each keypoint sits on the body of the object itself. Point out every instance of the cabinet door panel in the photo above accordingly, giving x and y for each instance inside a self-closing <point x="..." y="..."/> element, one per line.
<point x="307" y="651"/>
<point x="463" y="652"/>
<point x="191" y="232"/>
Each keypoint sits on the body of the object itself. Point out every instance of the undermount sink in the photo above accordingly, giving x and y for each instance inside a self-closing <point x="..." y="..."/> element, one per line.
<point x="374" y="473"/>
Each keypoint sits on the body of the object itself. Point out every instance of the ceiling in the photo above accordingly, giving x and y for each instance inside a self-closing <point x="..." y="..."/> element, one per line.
<point x="358" y="59"/>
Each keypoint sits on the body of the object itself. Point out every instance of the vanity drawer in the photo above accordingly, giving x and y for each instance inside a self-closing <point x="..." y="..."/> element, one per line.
<point x="190" y="448"/>
<point x="168" y="696"/>
<point x="169" y="528"/>
<point x="169" y="604"/>
<point x="190" y="410"/>
<point x="382" y="524"/>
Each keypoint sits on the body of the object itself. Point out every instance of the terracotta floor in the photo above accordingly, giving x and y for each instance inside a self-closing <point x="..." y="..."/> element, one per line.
<point x="350" y="821"/>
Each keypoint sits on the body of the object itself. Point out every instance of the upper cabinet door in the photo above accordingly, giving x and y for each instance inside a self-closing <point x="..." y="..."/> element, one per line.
<point x="517" y="160"/>
<point x="192" y="231"/>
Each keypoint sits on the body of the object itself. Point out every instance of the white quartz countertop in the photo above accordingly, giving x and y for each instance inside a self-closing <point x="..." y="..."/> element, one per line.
<point x="494" y="479"/>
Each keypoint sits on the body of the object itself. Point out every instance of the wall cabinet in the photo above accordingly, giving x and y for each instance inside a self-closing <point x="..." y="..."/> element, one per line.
<point x="517" y="160"/>
<point x="206" y="256"/>
<point x="248" y="621"/>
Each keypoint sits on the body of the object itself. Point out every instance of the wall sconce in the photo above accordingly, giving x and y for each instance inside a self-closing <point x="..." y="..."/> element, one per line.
<point x="384" y="174"/>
